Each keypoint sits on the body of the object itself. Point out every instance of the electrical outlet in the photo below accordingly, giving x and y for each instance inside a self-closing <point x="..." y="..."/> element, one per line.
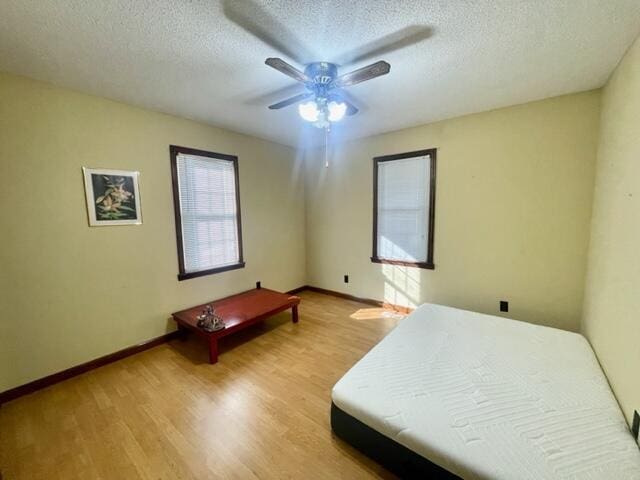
<point x="635" y="428"/>
<point x="504" y="306"/>
<point x="346" y="279"/>
<point x="258" y="285"/>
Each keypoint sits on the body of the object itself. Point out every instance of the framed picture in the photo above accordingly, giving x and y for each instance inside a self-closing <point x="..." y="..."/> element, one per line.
<point x="113" y="197"/>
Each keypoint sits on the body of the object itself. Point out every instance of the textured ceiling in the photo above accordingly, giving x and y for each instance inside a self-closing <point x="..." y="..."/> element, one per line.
<point x="205" y="59"/>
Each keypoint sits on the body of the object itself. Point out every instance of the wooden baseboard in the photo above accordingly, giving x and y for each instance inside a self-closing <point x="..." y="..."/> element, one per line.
<point x="297" y="290"/>
<point x="49" y="380"/>
<point x="54" y="378"/>
<point x="368" y="301"/>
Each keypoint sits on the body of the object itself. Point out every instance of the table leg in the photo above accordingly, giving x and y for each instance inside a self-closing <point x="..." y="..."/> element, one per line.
<point x="294" y="314"/>
<point x="182" y="332"/>
<point x="213" y="350"/>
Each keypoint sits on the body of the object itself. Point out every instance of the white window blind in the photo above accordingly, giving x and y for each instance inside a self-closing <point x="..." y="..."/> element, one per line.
<point x="208" y="209"/>
<point x="403" y="207"/>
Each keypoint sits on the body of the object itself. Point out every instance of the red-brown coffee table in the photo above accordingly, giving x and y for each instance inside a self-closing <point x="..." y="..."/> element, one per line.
<point x="238" y="311"/>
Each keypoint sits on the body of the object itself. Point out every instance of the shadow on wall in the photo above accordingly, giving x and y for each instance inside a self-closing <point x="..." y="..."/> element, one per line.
<point x="401" y="285"/>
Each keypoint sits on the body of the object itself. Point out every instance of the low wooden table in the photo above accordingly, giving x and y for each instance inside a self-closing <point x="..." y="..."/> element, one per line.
<point x="238" y="311"/>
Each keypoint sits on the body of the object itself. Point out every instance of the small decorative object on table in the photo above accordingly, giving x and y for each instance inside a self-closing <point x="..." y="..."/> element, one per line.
<point x="210" y="321"/>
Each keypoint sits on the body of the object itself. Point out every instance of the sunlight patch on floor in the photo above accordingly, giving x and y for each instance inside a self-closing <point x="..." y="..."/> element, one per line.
<point x="375" y="314"/>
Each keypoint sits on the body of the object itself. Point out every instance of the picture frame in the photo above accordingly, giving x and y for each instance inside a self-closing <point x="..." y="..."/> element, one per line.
<point x="113" y="197"/>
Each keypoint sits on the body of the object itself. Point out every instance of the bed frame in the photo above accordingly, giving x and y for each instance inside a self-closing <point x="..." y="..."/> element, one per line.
<point x="394" y="457"/>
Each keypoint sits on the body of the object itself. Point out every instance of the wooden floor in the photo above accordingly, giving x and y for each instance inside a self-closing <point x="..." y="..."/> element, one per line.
<point x="261" y="412"/>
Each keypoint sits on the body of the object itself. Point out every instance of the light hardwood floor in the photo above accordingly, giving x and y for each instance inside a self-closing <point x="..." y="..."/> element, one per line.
<point x="262" y="412"/>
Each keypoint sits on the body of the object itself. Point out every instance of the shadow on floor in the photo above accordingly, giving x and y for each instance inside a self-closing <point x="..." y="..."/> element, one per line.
<point x="196" y="350"/>
<point x="359" y="457"/>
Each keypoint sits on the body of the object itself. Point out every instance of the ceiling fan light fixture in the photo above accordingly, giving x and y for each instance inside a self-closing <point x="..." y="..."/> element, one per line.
<point x="336" y="111"/>
<point x="309" y="111"/>
<point x="322" y="121"/>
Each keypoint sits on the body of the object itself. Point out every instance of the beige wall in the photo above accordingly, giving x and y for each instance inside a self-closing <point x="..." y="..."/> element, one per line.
<point x="514" y="195"/>
<point x="612" y="300"/>
<point x="70" y="293"/>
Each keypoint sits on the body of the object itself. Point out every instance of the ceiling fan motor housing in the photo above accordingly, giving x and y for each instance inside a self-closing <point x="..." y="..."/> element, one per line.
<point x="321" y="73"/>
<point x="322" y="82"/>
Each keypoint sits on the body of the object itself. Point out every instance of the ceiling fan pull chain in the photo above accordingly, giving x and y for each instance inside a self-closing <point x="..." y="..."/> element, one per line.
<point x="326" y="146"/>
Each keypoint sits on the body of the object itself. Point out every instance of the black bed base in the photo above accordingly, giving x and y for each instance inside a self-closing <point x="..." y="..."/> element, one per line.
<point x="394" y="457"/>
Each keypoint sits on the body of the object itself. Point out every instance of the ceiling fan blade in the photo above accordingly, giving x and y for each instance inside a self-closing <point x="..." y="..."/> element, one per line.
<point x="287" y="69"/>
<point x="351" y="108"/>
<point x="290" y="101"/>
<point x="345" y="98"/>
<point x="389" y="43"/>
<point x="255" y="20"/>
<point x="266" y="98"/>
<point x="363" y="74"/>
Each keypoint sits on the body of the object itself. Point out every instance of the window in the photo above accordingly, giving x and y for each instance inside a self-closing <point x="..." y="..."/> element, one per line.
<point x="404" y="188"/>
<point x="207" y="209"/>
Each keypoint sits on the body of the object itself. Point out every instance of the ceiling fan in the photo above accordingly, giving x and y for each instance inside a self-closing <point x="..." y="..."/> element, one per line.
<point x="323" y="84"/>
<point x="324" y="87"/>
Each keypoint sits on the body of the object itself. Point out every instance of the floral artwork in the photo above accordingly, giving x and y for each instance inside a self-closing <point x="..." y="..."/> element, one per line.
<point x="112" y="197"/>
<point x="116" y="199"/>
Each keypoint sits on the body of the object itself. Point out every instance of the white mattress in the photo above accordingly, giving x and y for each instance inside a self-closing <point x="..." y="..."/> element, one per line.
<point x="487" y="397"/>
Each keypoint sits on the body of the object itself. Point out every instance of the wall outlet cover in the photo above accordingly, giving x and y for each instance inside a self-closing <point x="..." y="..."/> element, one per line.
<point x="258" y="284"/>
<point x="504" y="306"/>
<point x="346" y="279"/>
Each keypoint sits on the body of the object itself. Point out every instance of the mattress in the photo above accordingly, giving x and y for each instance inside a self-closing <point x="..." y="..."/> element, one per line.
<point x="491" y="398"/>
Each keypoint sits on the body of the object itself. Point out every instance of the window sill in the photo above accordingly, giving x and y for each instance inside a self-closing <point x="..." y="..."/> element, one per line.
<point x="211" y="271"/>
<point x="402" y="263"/>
